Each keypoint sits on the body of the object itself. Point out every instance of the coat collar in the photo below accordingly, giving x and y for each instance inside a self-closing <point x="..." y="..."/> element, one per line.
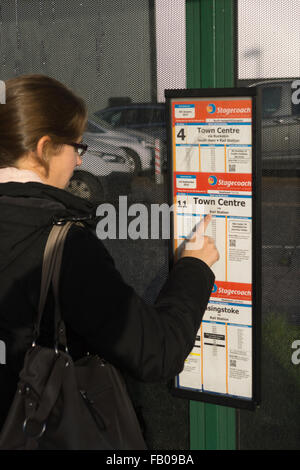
<point x="17" y="175"/>
<point x="62" y="204"/>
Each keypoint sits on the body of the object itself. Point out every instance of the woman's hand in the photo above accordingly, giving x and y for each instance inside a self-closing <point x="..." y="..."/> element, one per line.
<point x="201" y="246"/>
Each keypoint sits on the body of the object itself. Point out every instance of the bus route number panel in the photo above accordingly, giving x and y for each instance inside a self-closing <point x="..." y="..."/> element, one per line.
<point x="211" y="148"/>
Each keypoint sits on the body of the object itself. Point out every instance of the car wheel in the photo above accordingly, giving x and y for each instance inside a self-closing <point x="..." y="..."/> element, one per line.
<point x="86" y="186"/>
<point x="133" y="161"/>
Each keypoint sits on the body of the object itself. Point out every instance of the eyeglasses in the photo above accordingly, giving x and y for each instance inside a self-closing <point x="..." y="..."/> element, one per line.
<point x="80" y="148"/>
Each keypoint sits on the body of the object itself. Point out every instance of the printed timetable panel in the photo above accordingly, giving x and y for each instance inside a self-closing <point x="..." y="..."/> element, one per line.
<point x="212" y="143"/>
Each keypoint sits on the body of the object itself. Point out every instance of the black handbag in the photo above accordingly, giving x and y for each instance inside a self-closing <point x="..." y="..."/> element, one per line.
<point x="66" y="405"/>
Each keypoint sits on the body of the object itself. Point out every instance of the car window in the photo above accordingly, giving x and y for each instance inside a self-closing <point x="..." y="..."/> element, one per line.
<point x="130" y="117"/>
<point x="100" y="123"/>
<point x="295" y="109"/>
<point x="115" y="119"/>
<point x="92" y="128"/>
<point x="271" y="99"/>
<point x="159" y="115"/>
<point x="145" y="115"/>
<point x="112" y="117"/>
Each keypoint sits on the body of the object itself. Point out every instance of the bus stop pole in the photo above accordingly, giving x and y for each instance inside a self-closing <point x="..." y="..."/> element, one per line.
<point x="210" y="57"/>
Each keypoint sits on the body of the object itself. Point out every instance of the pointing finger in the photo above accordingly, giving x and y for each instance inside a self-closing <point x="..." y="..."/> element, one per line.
<point x="204" y="224"/>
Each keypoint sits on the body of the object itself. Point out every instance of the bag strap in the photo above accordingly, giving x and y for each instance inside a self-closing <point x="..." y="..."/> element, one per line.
<point x="52" y="264"/>
<point x="59" y="325"/>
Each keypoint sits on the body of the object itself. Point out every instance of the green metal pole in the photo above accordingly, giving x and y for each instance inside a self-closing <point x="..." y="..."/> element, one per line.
<point x="210" y="64"/>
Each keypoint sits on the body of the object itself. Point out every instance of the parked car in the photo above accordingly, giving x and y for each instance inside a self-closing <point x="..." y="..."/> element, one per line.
<point x="280" y="127"/>
<point x="146" y="117"/>
<point x="139" y="148"/>
<point x="101" y="161"/>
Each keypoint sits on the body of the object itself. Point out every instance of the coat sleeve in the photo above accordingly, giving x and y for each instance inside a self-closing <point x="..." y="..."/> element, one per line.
<point x="150" y="342"/>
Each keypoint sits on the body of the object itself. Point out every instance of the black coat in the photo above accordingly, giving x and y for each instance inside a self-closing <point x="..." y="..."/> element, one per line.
<point x="102" y="313"/>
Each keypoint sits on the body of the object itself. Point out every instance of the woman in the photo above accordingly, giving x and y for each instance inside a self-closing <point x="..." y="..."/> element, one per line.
<point x="41" y="127"/>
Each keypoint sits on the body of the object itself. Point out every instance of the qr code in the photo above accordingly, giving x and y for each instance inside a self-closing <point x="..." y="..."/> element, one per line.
<point x="232" y="167"/>
<point x="232" y="242"/>
<point x="232" y="363"/>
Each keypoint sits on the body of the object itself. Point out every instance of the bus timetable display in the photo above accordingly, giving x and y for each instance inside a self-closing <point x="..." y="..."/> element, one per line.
<point x="212" y="143"/>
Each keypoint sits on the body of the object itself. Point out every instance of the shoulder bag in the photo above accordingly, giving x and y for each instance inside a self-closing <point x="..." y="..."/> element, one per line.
<point x="66" y="405"/>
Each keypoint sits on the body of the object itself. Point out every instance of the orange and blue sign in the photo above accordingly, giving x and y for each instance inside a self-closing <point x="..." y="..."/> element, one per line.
<point x="212" y="180"/>
<point x="211" y="108"/>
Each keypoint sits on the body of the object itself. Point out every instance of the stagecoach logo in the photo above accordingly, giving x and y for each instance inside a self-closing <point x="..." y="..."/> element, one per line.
<point x="212" y="180"/>
<point x="2" y="93"/>
<point x="211" y="108"/>
<point x="214" y="289"/>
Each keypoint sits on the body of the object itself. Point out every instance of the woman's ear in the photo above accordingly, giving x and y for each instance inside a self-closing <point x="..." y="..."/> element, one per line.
<point x="42" y="146"/>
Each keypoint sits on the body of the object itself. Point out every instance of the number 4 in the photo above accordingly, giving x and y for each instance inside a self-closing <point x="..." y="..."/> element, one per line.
<point x="181" y="134"/>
